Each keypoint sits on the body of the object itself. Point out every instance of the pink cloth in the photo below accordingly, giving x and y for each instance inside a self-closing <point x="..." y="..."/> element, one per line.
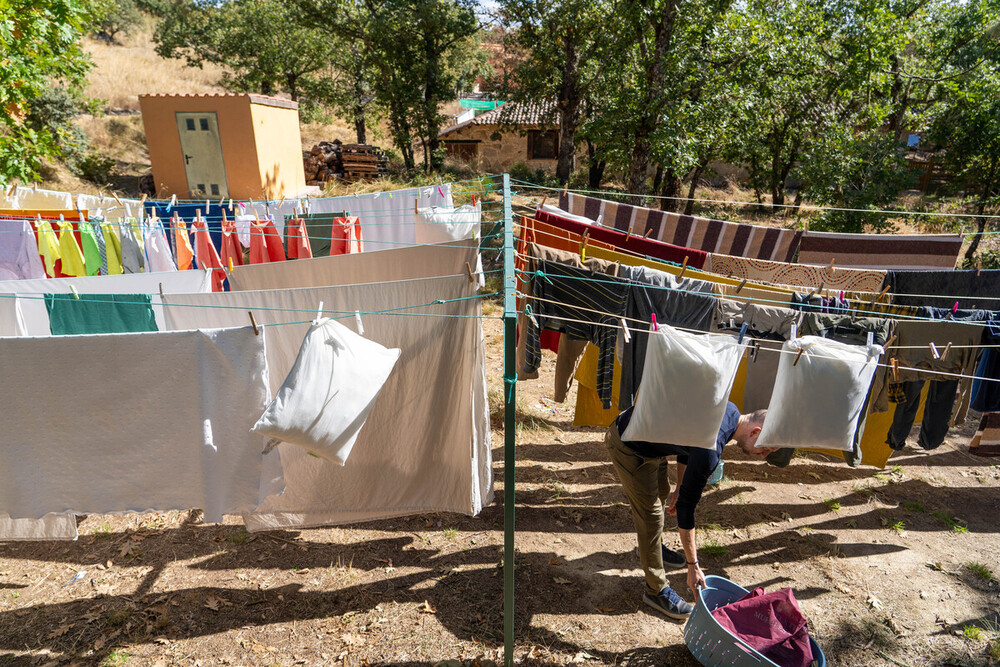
<point x="207" y="256"/>
<point x="345" y="237"/>
<point x="298" y="240"/>
<point x="231" y="248"/>
<point x="772" y="624"/>
<point x="265" y="244"/>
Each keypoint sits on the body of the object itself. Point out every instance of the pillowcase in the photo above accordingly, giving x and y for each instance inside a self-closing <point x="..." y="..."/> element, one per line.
<point x="817" y="402"/>
<point x="686" y="380"/>
<point x="326" y="397"/>
<point x="441" y="224"/>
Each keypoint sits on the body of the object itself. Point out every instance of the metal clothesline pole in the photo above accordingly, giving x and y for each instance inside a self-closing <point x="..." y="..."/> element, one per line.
<point x="509" y="389"/>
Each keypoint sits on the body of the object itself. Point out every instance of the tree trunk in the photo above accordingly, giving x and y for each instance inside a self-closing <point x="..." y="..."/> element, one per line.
<point x="359" y="124"/>
<point x="595" y="168"/>
<point x="981" y="210"/>
<point x="671" y="191"/>
<point x="695" y="177"/>
<point x="569" y="108"/>
<point x="658" y="178"/>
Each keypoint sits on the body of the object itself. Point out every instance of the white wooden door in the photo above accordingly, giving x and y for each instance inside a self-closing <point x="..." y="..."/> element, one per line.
<point x="202" y="151"/>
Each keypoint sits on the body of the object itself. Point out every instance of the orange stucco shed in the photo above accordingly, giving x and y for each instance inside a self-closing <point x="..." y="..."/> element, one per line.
<point x="224" y="145"/>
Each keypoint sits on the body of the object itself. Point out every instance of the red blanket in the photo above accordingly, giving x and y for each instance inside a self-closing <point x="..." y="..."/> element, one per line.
<point x="772" y="624"/>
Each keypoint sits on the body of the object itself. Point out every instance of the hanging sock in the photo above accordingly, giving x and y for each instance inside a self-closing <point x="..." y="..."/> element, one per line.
<point x="232" y="251"/>
<point x="91" y="250"/>
<point x="73" y="263"/>
<point x="185" y="253"/>
<point x="208" y="258"/>
<point x="298" y="240"/>
<point x="112" y="249"/>
<point x="346" y="236"/>
<point x="48" y="247"/>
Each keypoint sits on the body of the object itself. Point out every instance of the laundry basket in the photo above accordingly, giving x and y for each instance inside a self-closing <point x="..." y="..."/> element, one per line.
<point x="712" y="645"/>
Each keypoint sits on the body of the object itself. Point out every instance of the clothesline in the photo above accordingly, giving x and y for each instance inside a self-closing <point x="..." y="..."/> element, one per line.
<point x="776" y="302"/>
<point x="818" y="356"/>
<point x="740" y="203"/>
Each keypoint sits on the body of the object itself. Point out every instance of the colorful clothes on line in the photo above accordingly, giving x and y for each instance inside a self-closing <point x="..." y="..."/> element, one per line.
<point x="91" y="251"/>
<point x="185" y="253"/>
<point x="113" y="249"/>
<point x="986" y="442"/>
<point x="230" y="247"/>
<point x="881" y="251"/>
<point x="265" y="244"/>
<point x="801" y="275"/>
<point x="73" y="263"/>
<point x="298" y="239"/>
<point x="345" y="236"/>
<point x="730" y="238"/>
<point x="48" y="247"/>
<point x="208" y="257"/>
<point x="19" y="257"/>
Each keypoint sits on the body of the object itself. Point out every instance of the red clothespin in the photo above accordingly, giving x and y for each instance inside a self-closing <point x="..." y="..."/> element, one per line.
<point x="656" y="327"/>
<point x="684" y="267"/>
<point x="473" y="200"/>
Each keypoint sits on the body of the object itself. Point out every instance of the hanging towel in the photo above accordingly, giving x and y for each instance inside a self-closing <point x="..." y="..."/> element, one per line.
<point x="685" y="386"/>
<point x="133" y="253"/>
<point x="298" y="240"/>
<point x="91" y="250"/>
<point x="158" y="249"/>
<point x="48" y="247"/>
<point x="19" y="256"/>
<point x="207" y="256"/>
<point x="71" y="314"/>
<point x="182" y="243"/>
<point x="440" y="224"/>
<point x="73" y="263"/>
<point x="881" y="251"/>
<point x="231" y="250"/>
<point x="172" y="433"/>
<point x="972" y="289"/>
<point x="345" y="236"/>
<point x="324" y="401"/>
<point x="818" y="401"/>
<point x="265" y="244"/>
<point x="112" y="249"/>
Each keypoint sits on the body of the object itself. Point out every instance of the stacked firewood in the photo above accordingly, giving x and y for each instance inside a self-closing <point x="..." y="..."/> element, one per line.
<point x="330" y="160"/>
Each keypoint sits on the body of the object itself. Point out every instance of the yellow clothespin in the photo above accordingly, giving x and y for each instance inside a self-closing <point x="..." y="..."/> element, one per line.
<point x="684" y="267"/>
<point x="628" y="234"/>
<point x="12" y="189"/>
<point x="230" y="264"/>
<point x="583" y="245"/>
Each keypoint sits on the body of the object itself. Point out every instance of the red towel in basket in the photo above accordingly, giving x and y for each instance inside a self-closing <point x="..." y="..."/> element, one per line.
<point x="772" y="624"/>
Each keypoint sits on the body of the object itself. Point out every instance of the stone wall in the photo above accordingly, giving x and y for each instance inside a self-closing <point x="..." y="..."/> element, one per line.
<point x="498" y="154"/>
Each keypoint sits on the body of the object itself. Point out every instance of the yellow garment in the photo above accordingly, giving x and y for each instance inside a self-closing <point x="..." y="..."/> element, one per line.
<point x="112" y="249"/>
<point x="589" y="411"/>
<point x="738" y="391"/>
<point x="72" y="257"/>
<point x="48" y="247"/>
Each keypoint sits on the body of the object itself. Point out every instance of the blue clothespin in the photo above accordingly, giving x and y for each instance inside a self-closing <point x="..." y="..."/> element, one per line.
<point x="743" y="332"/>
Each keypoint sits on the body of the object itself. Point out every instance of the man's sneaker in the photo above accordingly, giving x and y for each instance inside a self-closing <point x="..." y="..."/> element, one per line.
<point x="669" y="604"/>
<point x="672" y="558"/>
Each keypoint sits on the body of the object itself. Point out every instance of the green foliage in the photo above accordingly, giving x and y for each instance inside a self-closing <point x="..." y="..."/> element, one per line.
<point x="39" y="47"/>
<point x="954" y="525"/>
<point x="111" y="18"/>
<point x="94" y="167"/>
<point x="713" y="549"/>
<point x="52" y="114"/>
<point x="832" y="505"/>
<point x="981" y="571"/>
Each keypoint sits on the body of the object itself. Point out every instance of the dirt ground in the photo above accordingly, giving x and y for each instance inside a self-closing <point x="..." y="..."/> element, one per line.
<point x="893" y="567"/>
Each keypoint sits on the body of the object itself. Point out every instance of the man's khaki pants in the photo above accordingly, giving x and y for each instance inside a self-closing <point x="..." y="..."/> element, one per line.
<point x="648" y="490"/>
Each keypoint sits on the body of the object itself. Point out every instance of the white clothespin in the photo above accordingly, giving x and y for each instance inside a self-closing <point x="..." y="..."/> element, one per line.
<point x="871" y="338"/>
<point x="934" y="351"/>
<point x="173" y="200"/>
<point x="625" y="331"/>
<point x="230" y="204"/>
<point x="795" y="331"/>
<point x="357" y="321"/>
<point x="319" y="312"/>
<point x="72" y="288"/>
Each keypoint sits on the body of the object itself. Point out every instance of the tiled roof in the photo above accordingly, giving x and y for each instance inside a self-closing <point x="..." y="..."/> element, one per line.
<point x="254" y="98"/>
<point x="512" y="114"/>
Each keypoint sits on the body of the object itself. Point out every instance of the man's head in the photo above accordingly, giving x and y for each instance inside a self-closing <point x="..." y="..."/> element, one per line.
<point x="747" y="432"/>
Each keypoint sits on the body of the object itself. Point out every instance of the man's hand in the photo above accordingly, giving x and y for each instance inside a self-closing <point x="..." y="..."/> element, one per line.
<point x="672" y="504"/>
<point x="696" y="579"/>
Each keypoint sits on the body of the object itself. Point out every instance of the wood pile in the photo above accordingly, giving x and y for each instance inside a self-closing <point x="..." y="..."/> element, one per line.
<point x="330" y="160"/>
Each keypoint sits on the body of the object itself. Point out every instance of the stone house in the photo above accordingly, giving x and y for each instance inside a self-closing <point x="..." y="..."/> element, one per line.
<point x="511" y="133"/>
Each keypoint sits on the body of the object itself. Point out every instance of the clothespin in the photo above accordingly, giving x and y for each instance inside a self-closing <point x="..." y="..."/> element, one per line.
<point x="161" y="292"/>
<point x="416" y="207"/>
<point x="684" y="267"/>
<point x="894" y="365"/>
<point x="979" y="267"/>
<point x="319" y="311"/>
<point x="947" y="349"/>
<point x="754" y="351"/>
<point x="253" y="323"/>
<point x="815" y="291"/>
<point x="934" y="351"/>
<point x="889" y="342"/>
<point x="440" y="192"/>
<point x="225" y="220"/>
<point x="118" y="200"/>
<point x="794" y="332"/>
<point x="871" y="338"/>
<point x="230" y="204"/>
<point x="357" y="321"/>
<point x="628" y="234"/>
<point x="12" y="189"/>
<point x="583" y="244"/>
<point x="881" y="294"/>
<point x="832" y="259"/>
<point x="801" y="350"/>
<point x="468" y="272"/>
<point x="566" y="190"/>
<point x="473" y="200"/>
<point x="76" y="295"/>
<point x="656" y="327"/>
<point x="743" y="332"/>
<point x="540" y="206"/>
<point x="841" y="295"/>
<point x="531" y="316"/>
<point x="648" y="232"/>
<point x="625" y="331"/>
<point x="742" y="283"/>
<point x="954" y="309"/>
<point x="173" y="202"/>
<point x="255" y="216"/>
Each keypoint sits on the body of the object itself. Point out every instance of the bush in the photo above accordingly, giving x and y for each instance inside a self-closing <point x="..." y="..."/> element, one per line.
<point x="114" y="17"/>
<point x="94" y="167"/>
<point x="52" y="115"/>
<point x="522" y="172"/>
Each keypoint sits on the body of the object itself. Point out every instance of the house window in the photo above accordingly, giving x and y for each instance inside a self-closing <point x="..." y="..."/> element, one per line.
<point x="204" y="124"/>
<point x="466" y="151"/>
<point x="543" y="145"/>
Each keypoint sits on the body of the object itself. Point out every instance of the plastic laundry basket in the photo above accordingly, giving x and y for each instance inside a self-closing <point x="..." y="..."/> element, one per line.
<point x="712" y="644"/>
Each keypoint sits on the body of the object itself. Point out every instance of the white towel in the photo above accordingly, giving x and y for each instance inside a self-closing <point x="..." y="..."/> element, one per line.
<point x="134" y="422"/>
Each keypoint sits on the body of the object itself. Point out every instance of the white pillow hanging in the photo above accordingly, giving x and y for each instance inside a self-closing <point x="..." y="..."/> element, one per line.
<point x="817" y="402"/>
<point x="441" y="224"/>
<point x="326" y="397"/>
<point x="686" y="380"/>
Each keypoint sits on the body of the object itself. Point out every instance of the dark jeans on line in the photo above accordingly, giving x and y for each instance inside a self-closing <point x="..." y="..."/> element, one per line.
<point x="937" y="413"/>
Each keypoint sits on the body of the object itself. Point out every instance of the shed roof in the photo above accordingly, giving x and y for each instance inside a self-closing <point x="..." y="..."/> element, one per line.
<point x="265" y="100"/>
<point x="513" y="113"/>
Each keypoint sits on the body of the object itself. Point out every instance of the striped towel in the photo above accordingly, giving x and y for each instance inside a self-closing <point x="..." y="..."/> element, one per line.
<point x="881" y="251"/>
<point x="729" y="238"/>
<point x="986" y="442"/>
